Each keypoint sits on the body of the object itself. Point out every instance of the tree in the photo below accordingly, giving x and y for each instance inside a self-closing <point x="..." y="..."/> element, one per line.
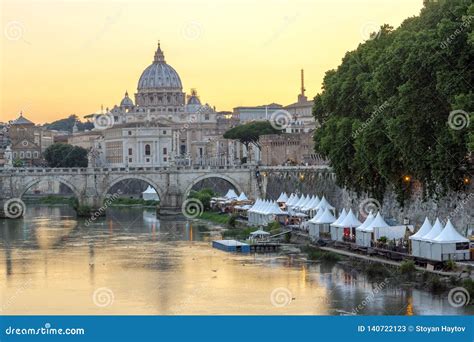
<point x="250" y="132"/>
<point x="68" y="123"/>
<point x="65" y="155"/>
<point x="387" y="109"/>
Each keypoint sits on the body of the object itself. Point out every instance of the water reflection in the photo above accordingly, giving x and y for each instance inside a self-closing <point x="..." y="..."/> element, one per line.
<point x="51" y="263"/>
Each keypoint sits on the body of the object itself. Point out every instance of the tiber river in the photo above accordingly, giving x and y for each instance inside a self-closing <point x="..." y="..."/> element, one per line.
<point x="131" y="263"/>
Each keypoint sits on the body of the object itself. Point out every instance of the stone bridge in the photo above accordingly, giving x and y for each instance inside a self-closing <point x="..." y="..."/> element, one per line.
<point x="92" y="185"/>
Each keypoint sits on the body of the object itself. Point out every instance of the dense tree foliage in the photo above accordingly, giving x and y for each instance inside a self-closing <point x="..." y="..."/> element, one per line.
<point x="250" y="132"/>
<point x="65" y="155"/>
<point x="204" y="196"/>
<point x="397" y="109"/>
<point x="68" y="123"/>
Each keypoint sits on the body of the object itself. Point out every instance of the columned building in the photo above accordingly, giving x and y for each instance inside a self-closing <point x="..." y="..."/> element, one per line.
<point x="164" y="125"/>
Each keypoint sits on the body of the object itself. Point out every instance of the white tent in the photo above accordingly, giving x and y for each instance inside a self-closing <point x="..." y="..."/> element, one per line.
<point x="292" y="200"/>
<point x="259" y="234"/>
<point x="242" y="197"/>
<point x="415" y="238"/>
<point x="425" y="241"/>
<point x="321" y="224"/>
<point x="150" y="194"/>
<point x="323" y="204"/>
<point x="341" y="217"/>
<point x="346" y="227"/>
<point x="367" y="222"/>
<point x="368" y="233"/>
<point x="231" y="194"/>
<point x="283" y="198"/>
<point x="297" y="204"/>
<point x="450" y="245"/>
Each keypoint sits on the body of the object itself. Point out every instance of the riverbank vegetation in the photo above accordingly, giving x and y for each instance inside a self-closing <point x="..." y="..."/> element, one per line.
<point x="121" y="201"/>
<point x="396" y="112"/>
<point x="315" y="253"/>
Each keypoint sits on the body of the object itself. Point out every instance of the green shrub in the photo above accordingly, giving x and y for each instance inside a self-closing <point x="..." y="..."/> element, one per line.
<point x="273" y="225"/>
<point x="232" y="220"/>
<point x="407" y="267"/>
<point x="434" y="284"/>
<point x="450" y="265"/>
<point x="377" y="270"/>
<point x="318" y="254"/>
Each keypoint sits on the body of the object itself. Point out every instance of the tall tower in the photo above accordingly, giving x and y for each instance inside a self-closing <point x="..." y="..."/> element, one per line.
<point x="301" y="96"/>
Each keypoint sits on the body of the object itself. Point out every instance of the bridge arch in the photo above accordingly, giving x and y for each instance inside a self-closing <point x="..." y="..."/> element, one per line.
<point x="159" y="190"/>
<point x="61" y="180"/>
<point x="195" y="181"/>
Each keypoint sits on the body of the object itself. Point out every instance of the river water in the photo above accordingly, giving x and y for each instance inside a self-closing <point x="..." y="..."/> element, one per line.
<point x="131" y="263"/>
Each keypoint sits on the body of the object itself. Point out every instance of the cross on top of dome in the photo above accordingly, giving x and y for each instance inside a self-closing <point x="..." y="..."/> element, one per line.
<point x="159" y="56"/>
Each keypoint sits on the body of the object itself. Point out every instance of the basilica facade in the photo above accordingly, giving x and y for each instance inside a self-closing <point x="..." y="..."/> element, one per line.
<point x="163" y="125"/>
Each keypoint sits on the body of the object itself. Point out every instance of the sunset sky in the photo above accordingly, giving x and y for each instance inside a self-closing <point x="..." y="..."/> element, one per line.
<point x="68" y="57"/>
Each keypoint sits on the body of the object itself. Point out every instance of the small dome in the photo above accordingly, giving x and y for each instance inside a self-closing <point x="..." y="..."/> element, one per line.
<point x="193" y="99"/>
<point x="159" y="74"/>
<point x="126" y="101"/>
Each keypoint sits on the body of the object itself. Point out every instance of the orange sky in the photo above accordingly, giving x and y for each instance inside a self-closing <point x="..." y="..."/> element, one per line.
<point x="70" y="56"/>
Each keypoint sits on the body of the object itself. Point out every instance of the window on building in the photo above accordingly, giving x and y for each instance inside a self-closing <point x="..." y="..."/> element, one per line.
<point x="165" y="150"/>
<point x="164" y="132"/>
<point x="15" y="155"/>
<point x="165" y="159"/>
<point x="147" y="150"/>
<point x="130" y="152"/>
<point x="130" y="160"/>
<point x="36" y="154"/>
<point x="206" y="116"/>
<point x="129" y="132"/>
<point x="28" y="155"/>
<point x="22" y="155"/>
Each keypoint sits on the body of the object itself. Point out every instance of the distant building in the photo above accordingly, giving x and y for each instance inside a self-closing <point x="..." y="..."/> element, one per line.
<point x="175" y="127"/>
<point x="289" y="148"/>
<point x="256" y="113"/>
<point x="84" y="139"/>
<point x="136" y="145"/>
<point x="25" y="139"/>
<point x="301" y="112"/>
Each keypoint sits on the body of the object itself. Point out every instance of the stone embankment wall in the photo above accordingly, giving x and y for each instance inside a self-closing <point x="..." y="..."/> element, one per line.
<point x="458" y="207"/>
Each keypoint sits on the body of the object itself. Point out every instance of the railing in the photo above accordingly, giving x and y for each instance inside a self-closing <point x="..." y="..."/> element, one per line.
<point x="197" y="165"/>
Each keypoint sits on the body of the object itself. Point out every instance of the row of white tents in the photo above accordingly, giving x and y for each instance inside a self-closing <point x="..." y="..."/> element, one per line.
<point x="263" y="212"/>
<point x="437" y="243"/>
<point x="430" y="242"/>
